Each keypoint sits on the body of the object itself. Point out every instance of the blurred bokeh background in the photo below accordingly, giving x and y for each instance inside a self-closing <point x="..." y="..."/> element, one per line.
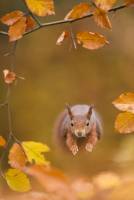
<point x="55" y="75"/>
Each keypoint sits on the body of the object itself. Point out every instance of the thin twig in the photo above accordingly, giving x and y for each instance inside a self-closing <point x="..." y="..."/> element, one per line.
<point x="72" y="36"/>
<point x="53" y="23"/>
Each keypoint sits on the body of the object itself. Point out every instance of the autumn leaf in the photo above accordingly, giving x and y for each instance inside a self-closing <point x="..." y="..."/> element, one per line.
<point x="83" y="188"/>
<point x="17" y="180"/>
<point x="12" y="17"/>
<point x="129" y="2"/>
<point x="52" y="181"/>
<point x="9" y="76"/>
<point x="17" y="157"/>
<point x="47" y="170"/>
<point x="106" y="180"/>
<point x="90" y="40"/>
<point x="34" y="152"/>
<point x="125" y="122"/>
<point x="125" y="102"/>
<point x="2" y="141"/>
<point x="79" y="11"/>
<point x="105" y="4"/>
<point x="62" y="37"/>
<point x="102" y="19"/>
<point x="17" y="30"/>
<point x="41" y="7"/>
<point x="30" y="23"/>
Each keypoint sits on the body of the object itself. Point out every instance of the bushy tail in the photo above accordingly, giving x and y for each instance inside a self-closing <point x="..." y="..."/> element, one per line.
<point x="59" y="135"/>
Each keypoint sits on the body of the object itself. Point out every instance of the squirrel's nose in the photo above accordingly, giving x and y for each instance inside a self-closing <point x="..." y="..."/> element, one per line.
<point x="79" y="134"/>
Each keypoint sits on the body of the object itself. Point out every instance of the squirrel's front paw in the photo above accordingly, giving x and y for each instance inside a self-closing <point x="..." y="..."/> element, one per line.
<point x="74" y="149"/>
<point x="89" y="147"/>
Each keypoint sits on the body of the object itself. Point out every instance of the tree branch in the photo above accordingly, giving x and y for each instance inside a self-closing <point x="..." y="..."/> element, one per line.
<point x="53" y="23"/>
<point x="9" y="116"/>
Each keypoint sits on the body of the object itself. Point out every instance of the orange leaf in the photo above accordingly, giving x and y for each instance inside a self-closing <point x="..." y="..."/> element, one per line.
<point x="17" y="157"/>
<point x="90" y="40"/>
<point x="17" y="30"/>
<point x="105" y="4"/>
<point x="41" y="7"/>
<point x="129" y="2"/>
<point x="2" y="141"/>
<point x="79" y="11"/>
<point x="12" y="17"/>
<point x="125" y="122"/>
<point x="62" y="37"/>
<point x="9" y="77"/>
<point x="102" y="19"/>
<point x="52" y="180"/>
<point x="30" y="23"/>
<point x="125" y="102"/>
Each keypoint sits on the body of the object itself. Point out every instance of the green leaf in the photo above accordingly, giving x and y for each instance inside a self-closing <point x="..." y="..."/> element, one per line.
<point x="35" y="151"/>
<point x="17" y="180"/>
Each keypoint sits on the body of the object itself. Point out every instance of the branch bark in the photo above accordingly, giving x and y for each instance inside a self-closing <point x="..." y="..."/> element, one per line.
<point x="53" y="23"/>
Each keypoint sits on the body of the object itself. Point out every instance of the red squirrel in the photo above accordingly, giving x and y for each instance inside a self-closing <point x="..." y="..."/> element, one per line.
<point x="76" y="125"/>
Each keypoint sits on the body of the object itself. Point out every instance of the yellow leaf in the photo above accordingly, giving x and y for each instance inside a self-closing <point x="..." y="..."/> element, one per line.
<point x="34" y="152"/>
<point x="62" y="37"/>
<point x="17" y="30"/>
<point x="91" y="40"/>
<point x="17" y="157"/>
<point x="2" y="141"/>
<point x="105" y="4"/>
<point x="12" y="17"/>
<point x="102" y="19"/>
<point x="125" y="102"/>
<point x="41" y="7"/>
<point x="78" y="11"/>
<point x="125" y="122"/>
<point x="17" y="180"/>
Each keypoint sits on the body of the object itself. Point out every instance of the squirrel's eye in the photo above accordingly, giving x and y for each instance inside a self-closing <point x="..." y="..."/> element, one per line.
<point x="72" y="124"/>
<point x="87" y="123"/>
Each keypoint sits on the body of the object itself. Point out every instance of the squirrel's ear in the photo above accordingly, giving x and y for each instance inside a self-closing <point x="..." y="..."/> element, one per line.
<point x="90" y="111"/>
<point x="69" y="111"/>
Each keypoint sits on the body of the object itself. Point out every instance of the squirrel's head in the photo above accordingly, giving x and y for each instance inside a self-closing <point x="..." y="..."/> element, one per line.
<point x="80" y="124"/>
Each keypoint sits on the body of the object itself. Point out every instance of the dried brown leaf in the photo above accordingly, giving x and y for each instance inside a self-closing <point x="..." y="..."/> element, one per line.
<point x="55" y="181"/>
<point x="62" y="37"/>
<point x="105" y="4"/>
<point x="102" y="19"/>
<point x="30" y="23"/>
<point x="17" y="157"/>
<point x="90" y="40"/>
<point x="125" y="102"/>
<point x="2" y="141"/>
<point x="17" y="30"/>
<point x="9" y="77"/>
<point x="12" y="17"/>
<point x="125" y="122"/>
<point x="129" y="2"/>
<point x="79" y="11"/>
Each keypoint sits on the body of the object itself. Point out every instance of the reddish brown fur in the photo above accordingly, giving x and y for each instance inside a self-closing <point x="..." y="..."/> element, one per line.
<point x="78" y="126"/>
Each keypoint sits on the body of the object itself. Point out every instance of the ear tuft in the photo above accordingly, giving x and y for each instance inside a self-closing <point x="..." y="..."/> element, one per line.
<point x="90" y="111"/>
<point x="69" y="110"/>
